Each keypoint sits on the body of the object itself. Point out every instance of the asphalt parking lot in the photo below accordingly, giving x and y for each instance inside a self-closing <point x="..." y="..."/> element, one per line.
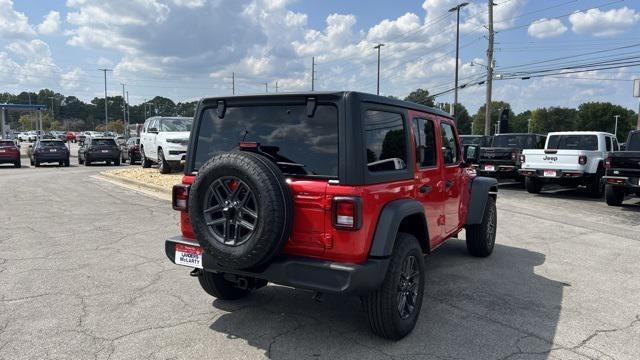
<point x="83" y="275"/>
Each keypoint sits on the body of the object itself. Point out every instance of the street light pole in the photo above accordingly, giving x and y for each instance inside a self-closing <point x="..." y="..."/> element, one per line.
<point x="379" y="46"/>
<point x="615" y="131"/>
<point x="455" y="93"/>
<point x="106" y="116"/>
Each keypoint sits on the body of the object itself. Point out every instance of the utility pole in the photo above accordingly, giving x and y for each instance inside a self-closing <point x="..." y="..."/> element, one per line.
<point x="106" y="115"/>
<point x="233" y="83"/>
<point x="126" y="129"/>
<point x="124" y="106"/>
<point x="266" y="87"/>
<point x="529" y="125"/>
<point x="145" y="109"/>
<point x="276" y="85"/>
<point x="615" y="131"/>
<point x="378" y="47"/>
<point x="52" y="114"/>
<point x="313" y="73"/>
<point x="487" y="114"/>
<point x="455" y="92"/>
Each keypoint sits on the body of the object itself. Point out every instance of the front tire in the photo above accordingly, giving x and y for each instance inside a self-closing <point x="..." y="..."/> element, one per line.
<point x="163" y="165"/>
<point x="614" y="196"/>
<point x="144" y="161"/>
<point x="533" y="185"/>
<point x="116" y="162"/>
<point x="481" y="238"/>
<point x="393" y="309"/>
<point x="216" y="285"/>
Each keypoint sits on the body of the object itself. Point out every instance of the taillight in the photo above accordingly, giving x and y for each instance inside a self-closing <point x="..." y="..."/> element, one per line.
<point x="347" y="212"/>
<point x="514" y="156"/>
<point x="607" y="162"/>
<point x="180" y="197"/>
<point x="582" y="160"/>
<point x="522" y="158"/>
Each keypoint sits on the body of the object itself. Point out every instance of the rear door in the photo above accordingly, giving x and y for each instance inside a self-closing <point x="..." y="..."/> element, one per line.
<point x="452" y="176"/>
<point x="429" y="174"/>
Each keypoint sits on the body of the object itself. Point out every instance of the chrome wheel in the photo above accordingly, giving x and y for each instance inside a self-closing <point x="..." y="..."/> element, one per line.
<point x="408" y="286"/>
<point x="230" y="211"/>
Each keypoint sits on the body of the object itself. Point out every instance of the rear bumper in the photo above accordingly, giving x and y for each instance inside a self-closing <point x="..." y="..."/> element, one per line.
<point x="51" y="157"/>
<point x="304" y="273"/>
<point x="9" y="158"/>
<point x="100" y="156"/>
<point x="623" y="181"/>
<point x="559" y="174"/>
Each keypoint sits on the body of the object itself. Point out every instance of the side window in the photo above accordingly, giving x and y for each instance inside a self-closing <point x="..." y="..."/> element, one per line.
<point x="541" y="141"/>
<point x="616" y="146"/>
<point x="449" y="145"/>
<point x="608" y="139"/>
<point x="425" y="139"/>
<point x="385" y="141"/>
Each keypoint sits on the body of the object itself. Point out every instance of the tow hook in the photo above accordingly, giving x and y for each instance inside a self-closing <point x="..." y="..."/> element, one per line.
<point x="196" y="272"/>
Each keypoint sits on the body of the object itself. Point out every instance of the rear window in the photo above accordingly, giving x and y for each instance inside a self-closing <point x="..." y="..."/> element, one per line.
<point x="103" y="142"/>
<point x="472" y="140"/>
<point x="573" y="142"/>
<point x="52" y="144"/>
<point x="514" y="141"/>
<point x="302" y="145"/>
<point x="634" y="142"/>
<point x="174" y="125"/>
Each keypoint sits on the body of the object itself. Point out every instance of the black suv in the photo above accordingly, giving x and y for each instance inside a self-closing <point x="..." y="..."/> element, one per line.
<point x="99" y="149"/>
<point x="49" y="151"/>
<point x="502" y="159"/>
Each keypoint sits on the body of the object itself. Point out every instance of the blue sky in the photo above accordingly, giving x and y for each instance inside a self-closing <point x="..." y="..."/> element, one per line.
<point x="187" y="49"/>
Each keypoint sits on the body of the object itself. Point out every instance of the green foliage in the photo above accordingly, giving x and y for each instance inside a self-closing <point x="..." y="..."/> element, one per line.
<point x="520" y="122"/>
<point x="496" y="108"/>
<point x="463" y="119"/>
<point x="598" y="116"/>
<point x="545" y="120"/>
<point x="420" y="96"/>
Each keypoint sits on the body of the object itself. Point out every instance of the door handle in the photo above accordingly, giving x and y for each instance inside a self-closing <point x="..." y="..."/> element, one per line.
<point x="449" y="184"/>
<point x="425" y="189"/>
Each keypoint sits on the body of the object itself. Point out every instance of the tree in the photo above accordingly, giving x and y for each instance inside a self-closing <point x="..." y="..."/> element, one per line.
<point x="520" y="122"/>
<point x="420" y="96"/>
<point x="496" y="109"/>
<point x="553" y="119"/>
<point x="463" y="120"/>
<point x="598" y="116"/>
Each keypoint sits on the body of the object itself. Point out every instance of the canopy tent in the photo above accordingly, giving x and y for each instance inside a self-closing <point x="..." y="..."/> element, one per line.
<point x="4" y="108"/>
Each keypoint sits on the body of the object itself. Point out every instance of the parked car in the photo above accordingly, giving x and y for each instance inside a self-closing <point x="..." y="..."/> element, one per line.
<point x="30" y="136"/>
<point x="571" y="158"/>
<point x="164" y="140"/>
<point x="297" y="200"/>
<point x="131" y="150"/>
<point x="502" y="159"/>
<point x="80" y="138"/>
<point x="623" y="171"/>
<point x="99" y="149"/>
<point x="9" y="153"/>
<point x="60" y="135"/>
<point x="49" y="151"/>
<point x="25" y="136"/>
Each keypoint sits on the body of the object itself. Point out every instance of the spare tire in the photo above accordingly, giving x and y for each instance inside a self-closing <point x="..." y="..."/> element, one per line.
<point x="241" y="209"/>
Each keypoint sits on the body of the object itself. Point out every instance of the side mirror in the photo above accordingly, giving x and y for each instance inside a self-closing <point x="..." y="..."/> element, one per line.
<point x="471" y="154"/>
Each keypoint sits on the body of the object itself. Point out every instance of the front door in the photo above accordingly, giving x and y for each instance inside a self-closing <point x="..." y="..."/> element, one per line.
<point x="452" y="176"/>
<point x="428" y="175"/>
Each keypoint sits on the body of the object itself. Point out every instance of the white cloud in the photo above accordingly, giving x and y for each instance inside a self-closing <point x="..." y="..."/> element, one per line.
<point x="13" y="24"/>
<point x="192" y="4"/>
<point x="545" y="28"/>
<point x="388" y="29"/>
<point x="50" y="24"/>
<point x="603" y="23"/>
<point x="504" y="15"/>
<point x="31" y="62"/>
<point x="71" y="80"/>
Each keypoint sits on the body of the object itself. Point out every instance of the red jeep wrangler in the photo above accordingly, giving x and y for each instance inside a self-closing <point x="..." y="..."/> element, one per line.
<point x="339" y="192"/>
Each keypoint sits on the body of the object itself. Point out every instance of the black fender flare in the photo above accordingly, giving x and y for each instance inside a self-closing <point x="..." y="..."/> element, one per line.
<point x="389" y="222"/>
<point x="480" y="189"/>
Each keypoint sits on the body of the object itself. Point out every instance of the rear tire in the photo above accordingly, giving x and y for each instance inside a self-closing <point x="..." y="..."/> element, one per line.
<point x="17" y="164"/>
<point x="393" y="309"/>
<point x="533" y="185"/>
<point x="116" y="162"/>
<point x="614" y="196"/>
<point x="217" y="286"/>
<point x="596" y="186"/>
<point x="481" y="238"/>
<point x="67" y="163"/>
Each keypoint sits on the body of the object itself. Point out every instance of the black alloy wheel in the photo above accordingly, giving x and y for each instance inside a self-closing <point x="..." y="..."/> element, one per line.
<point x="230" y="211"/>
<point x="407" y="293"/>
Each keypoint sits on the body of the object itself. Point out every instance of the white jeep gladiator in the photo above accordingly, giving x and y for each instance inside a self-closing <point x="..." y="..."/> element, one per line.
<point x="570" y="158"/>
<point x="164" y="140"/>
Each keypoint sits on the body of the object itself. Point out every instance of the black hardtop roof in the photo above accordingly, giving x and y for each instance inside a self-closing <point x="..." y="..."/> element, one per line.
<point x="365" y="97"/>
<point x="519" y="134"/>
<point x="102" y="138"/>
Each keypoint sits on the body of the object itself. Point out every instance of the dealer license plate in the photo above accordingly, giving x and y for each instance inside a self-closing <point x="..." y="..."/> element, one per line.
<point x="550" y="173"/>
<point x="189" y="256"/>
<point x="489" y="168"/>
<point x="53" y="150"/>
<point x="105" y="151"/>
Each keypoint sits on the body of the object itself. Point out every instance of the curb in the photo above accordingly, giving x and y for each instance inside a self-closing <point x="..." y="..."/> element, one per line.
<point x="136" y="183"/>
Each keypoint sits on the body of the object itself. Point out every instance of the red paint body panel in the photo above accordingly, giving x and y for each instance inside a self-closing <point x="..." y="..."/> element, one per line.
<point x="313" y="234"/>
<point x="9" y="153"/>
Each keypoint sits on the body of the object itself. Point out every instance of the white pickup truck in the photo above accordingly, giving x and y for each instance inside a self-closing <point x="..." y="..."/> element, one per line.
<point x="570" y="158"/>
